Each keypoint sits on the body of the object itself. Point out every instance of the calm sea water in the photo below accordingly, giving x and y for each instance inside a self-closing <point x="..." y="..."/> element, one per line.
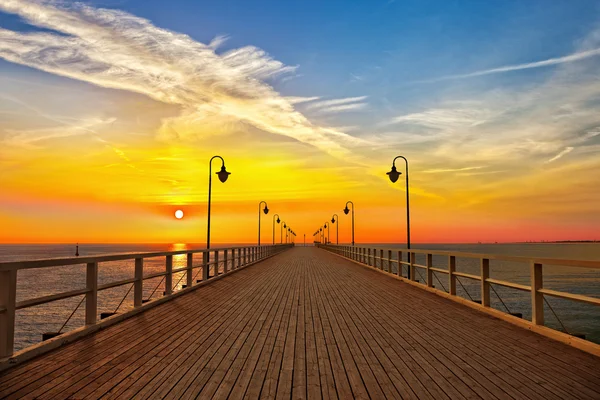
<point x="32" y="322"/>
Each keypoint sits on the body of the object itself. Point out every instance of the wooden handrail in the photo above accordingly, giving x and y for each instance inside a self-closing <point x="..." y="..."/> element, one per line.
<point x="8" y="279"/>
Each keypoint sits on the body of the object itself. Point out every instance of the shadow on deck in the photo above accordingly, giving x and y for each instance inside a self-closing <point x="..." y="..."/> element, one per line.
<point x="309" y="324"/>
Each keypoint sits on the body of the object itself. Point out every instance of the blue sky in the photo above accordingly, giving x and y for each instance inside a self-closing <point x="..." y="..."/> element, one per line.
<point x="493" y="101"/>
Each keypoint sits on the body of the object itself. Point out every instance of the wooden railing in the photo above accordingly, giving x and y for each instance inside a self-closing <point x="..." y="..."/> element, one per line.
<point x="229" y="258"/>
<point x="369" y="256"/>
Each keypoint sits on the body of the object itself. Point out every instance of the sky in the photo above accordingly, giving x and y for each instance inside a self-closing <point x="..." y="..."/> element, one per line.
<point x="110" y="111"/>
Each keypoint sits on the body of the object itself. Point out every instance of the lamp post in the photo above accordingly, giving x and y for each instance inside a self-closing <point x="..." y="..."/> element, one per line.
<point x="335" y="219"/>
<point x="346" y="211"/>
<point x="321" y="230"/>
<point x="266" y="211"/>
<point x="278" y="221"/>
<point x="283" y="226"/>
<point x="327" y="225"/>
<point x="223" y="175"/>
<point x="394" y="175"/>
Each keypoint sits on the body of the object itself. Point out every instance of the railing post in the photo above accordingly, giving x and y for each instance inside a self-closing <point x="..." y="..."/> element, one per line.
<point x="399" y="263"/>
<point x="429" y="271"/>
<point x="381" y="259"/>
<point x="225" y="268"/>
<point x="91" y="297"/>
<point x="451" y="276"/>
<point x="485" y="285"/>
<point x="390" y="269"/>
<point x="138" y="285"/>
<point x="8" y="299"/>
<point x="189" y="273"/>
<point x="537" y="298"/>
<point x="245" y="258"/>
<point x="412" y="266"/>
<point x="169" y="276"/>
<point x="205" y="266"/>
<point x="216" y="262"/>
<point x="369" y="256"/>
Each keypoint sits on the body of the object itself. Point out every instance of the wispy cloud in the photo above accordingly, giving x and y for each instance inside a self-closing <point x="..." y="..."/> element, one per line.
<point x="443" y="170"/>
<point x="31" y="138"/>
<point x="566" y="151"/>
<point x="114" y="49"/>
<point x="338" y="105"/>
<point x="517" y="67"/>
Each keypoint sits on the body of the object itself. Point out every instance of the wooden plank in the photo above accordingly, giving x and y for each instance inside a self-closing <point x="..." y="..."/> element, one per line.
<point x="257" y="362"/>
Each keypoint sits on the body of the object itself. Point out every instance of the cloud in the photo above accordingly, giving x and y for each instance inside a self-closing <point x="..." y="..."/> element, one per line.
<point x="30" y="138"/>
<point x="338" y="105"/>
<point x="437" y="171"/>
<point x="114" y="49"/>
<point x="566" y="151"/>
<point x="582" y="55"/>
<point x="443" y="118"/>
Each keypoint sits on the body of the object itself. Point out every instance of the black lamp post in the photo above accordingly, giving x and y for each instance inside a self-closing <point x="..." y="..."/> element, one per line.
<point x="266" y="211"/>
<point x="346" y="211"/>
<point x="321" y="230"/>
<point x="223" y="175"/>
<point x="278" y="221"/>
<point x="328" y="232"/>
<point x="283" y="226"/>
<point x="335" y="219"/>
<point x="394" y="175"/>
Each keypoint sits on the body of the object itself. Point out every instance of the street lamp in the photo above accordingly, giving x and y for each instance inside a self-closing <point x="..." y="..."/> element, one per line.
<point x="278" y="221"/>
<point x="283" y="226"/>
<point x="321" y="230"/>
<point x="328" y="232"/>
<point x="266" y="211"/>
<point x="223" y="175"/>
<point x="394" y="175"/>
<point x="346" y="211"/>
<point x="335" y="219"/>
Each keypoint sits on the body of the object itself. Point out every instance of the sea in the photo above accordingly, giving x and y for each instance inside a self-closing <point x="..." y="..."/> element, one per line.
<point x="68" y="314"/>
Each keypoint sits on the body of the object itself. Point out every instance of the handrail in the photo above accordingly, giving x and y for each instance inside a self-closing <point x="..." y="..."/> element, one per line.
<point x="231" y="258"/>
<point x="61" y="262"/>
<point x="368" y="256"/>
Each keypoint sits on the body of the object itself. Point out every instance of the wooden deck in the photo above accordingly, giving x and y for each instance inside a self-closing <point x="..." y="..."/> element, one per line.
<point x="309" y="324"/>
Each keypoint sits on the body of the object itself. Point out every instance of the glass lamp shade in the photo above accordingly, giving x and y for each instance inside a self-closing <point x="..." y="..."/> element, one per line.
<point x="346" y="210"/>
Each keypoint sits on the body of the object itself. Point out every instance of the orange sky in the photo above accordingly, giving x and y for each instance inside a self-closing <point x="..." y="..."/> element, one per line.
<point x="90" y="154"/>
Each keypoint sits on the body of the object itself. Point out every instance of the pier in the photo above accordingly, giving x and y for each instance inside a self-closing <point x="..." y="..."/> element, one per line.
<point x="302" y="322"/>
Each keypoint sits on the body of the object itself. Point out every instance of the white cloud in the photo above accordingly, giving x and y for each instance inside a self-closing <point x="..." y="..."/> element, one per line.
<point x="114" y="49"/>
<point x="338" y="105"/>
<point x="566" y="151"/>
<point x="437" y="171"/>
<point x="578" y="56"/>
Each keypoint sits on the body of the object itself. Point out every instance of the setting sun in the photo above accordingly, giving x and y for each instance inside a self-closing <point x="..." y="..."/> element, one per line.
<point x="178" y="214"/>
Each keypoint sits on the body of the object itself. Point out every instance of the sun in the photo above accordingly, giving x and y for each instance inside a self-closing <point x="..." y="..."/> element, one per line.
<point x="178" y="214"/>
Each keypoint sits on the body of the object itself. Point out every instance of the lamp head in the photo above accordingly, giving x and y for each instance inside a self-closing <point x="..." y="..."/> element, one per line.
<point x="346" y="210"/>
<point x="394" y="174"/>
<point x="333" y="220"/>
<point x="321" y="229"/>
<point x="266" y="210"/>
<point x="284" y="225"/>
<point x="223" y="174"/>
<point x="278" y="220"/>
